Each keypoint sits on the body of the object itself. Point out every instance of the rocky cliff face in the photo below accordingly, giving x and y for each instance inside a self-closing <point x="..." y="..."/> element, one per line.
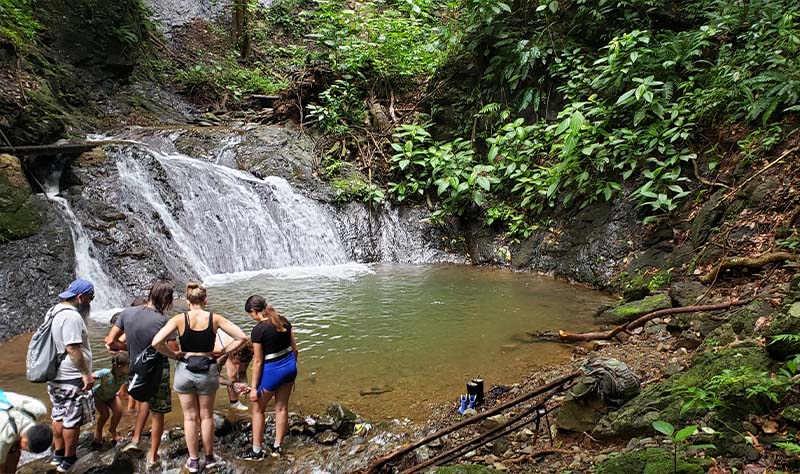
<point x="35" y="270"/>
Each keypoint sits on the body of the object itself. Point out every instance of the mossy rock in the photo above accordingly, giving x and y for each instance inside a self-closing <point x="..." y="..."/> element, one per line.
<point x="786" y="321"/>
<point x="663" y="402"/>
<point x="629" y="311"/>
<point x="21" y="212"/>
<point x="650" y="461"/>
<point x="466" y="469"/>
<point x="792" y="414"/>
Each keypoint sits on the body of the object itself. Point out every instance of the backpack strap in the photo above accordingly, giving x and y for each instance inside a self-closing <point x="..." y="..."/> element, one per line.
<point x="6" y="406"/>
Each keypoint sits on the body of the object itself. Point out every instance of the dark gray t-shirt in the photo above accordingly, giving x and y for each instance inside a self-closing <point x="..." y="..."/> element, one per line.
<point x="140" y="324"/>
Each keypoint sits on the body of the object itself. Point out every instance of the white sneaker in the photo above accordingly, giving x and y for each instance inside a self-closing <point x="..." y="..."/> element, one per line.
<point x="239" y="406"/>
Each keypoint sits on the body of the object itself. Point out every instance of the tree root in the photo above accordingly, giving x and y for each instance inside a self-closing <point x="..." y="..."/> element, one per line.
<point x="606" y="335"/>
<point x="748" y="262"/>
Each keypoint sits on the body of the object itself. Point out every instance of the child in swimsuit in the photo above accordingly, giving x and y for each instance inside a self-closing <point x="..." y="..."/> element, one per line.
<point x="107" y="384"/>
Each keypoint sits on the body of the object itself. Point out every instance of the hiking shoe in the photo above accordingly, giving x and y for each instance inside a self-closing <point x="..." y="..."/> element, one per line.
<point x="212" y="461"/>
<point x="463" y="406"/>
<point x="132" y="448"/>
<point x="276" y="451"/>
<point x="66" y="464"/>
<point x="192" y="465"/>
<point x="472" y="399"/>
<point x="55" y="459"/>
<point x="251" y="455"/>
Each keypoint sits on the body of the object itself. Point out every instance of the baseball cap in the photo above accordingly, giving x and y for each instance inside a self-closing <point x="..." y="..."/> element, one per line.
<point x="77" y="287"/>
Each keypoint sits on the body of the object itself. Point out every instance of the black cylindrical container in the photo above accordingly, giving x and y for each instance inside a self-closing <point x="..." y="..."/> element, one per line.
<point x="475" y="387"/>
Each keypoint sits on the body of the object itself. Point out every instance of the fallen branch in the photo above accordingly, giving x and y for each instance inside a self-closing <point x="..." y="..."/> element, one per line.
<point x="606" y="335"/>
<point x="506" y="428"/>
<point x="380" y="462"/>
<point x="748" y="262"/>
<point x="57" y="149"/>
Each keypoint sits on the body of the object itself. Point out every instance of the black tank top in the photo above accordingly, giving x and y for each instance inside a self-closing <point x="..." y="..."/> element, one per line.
<point x="197" y="341"/>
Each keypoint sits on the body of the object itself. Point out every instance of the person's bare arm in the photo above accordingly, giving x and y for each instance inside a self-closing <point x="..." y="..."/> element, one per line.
<point x="114" y="340"/>
<point x="75" y="355"/>
<point x="294" y="346"/>
<point x="160" y="340"/>
<point x="239" y="337"/>
<point x="258" y="362"/>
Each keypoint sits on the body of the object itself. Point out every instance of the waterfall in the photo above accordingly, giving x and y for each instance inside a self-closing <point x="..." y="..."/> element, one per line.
<point x="108" y="294"/>
<point x="206" y="219"/>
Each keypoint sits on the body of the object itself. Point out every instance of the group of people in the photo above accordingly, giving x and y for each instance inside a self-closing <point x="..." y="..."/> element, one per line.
<point x="200" y="341"/>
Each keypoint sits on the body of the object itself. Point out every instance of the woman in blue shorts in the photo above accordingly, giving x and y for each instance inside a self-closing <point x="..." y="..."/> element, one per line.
<point x="274" y="372"/>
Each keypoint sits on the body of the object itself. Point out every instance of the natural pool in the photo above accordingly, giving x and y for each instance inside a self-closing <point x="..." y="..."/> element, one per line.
<point x="416" y="333"/>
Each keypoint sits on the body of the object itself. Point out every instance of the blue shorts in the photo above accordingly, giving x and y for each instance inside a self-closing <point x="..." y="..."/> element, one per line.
<point x="278" y="372"/>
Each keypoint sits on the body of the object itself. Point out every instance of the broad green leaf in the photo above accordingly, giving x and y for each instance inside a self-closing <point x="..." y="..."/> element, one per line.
<point x="685" y="433"/>
<point x="664" y="427"/>
<point x="483" y="182"/>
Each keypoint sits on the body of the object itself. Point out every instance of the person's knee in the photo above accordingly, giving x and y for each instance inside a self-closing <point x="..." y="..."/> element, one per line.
<point x="37" y="438"/>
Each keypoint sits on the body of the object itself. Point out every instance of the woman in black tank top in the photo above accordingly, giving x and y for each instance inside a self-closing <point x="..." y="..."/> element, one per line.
<point x="196" y="373"/>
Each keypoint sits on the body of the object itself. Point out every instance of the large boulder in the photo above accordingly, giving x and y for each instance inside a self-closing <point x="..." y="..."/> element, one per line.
<point x="35" y="270"/>
<point x="664" y="401"/>
<point x="22" y="214"/>
<point x="627" y="312"/>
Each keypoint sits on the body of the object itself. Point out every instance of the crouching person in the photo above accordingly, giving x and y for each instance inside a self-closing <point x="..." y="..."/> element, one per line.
<point x="20" y="429"/>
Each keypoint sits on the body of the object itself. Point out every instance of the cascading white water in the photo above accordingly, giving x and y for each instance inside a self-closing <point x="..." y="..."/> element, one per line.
<point x="221" y="220"/>
<point x="108" y="294"/>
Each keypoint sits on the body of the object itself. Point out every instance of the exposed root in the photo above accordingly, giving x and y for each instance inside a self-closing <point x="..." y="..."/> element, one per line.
<point x="748" y="262"/>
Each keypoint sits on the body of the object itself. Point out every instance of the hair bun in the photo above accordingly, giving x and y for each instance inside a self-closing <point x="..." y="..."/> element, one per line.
<point x="192" y="285"/>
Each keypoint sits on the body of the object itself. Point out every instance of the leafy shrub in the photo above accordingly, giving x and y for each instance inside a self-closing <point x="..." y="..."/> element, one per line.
<point x="229" y="78"/>
<point x="17" y="24"/>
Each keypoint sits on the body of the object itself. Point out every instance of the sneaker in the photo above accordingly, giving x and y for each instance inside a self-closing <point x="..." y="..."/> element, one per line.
<point x="251" y="455"/>
<point x="192" y="465"/>
<point x="132" y="448"/>
<point x="463" y="406"/>
<point x="212" y="461"/>
<point x="55" y="459"/>
<point x="66" y="464"/>
<point x="276" y="451"/>
<point x="239" y="406"/>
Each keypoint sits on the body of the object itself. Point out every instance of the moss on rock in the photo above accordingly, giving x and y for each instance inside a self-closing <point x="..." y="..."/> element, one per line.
<point x="21" y="212"/>
<point x="663" y="401"/>
<point x="650" y="461"/>
<point x="629" y="311"/>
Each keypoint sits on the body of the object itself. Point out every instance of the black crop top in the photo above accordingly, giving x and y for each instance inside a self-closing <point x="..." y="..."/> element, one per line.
<point x="197" y="341"/>
<point x="270" y="339"/>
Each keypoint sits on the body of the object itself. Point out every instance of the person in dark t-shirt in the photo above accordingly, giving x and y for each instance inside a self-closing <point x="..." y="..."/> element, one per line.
<point x="274" y="372"/>
<point x="139" y="324"/>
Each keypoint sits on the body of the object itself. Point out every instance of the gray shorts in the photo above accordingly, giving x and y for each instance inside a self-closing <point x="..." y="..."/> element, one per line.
<point x="71" y="406"/>
<point x="187" y="382"/>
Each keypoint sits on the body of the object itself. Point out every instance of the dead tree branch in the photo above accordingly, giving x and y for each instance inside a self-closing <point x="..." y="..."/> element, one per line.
<point x="605" y="335"/>
<point x="376" y="465"/>
<point x="748" y="262"/>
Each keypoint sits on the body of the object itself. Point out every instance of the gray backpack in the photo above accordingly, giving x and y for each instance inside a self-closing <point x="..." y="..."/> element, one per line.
<point x="43" y="359"/>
